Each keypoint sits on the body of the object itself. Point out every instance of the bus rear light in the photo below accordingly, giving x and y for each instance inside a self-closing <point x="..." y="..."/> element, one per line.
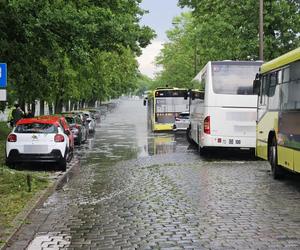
<point x="59" y="138"/>
<point x="207" y="125"/>
<point x="12" y="138"/>
<point x="219" y="140"/>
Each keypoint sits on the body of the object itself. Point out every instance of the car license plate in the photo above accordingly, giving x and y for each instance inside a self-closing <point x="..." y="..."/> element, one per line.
<point x="35" y="149"/>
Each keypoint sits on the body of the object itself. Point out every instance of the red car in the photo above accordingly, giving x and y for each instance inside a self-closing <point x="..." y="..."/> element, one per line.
<point x="61" y="120"/>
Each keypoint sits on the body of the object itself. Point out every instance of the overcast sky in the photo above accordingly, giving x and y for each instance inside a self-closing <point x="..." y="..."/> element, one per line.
<point x="159" y="18"/>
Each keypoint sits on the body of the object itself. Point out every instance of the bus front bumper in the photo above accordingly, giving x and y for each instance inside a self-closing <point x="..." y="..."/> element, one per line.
<point x="162" y="127"/>
<point x="228" y="141"/>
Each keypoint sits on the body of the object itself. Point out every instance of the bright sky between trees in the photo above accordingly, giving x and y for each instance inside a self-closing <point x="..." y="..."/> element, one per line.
<point x="159" y="18"/>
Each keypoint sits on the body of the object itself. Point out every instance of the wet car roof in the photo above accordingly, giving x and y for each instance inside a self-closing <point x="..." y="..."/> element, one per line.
<point x="42" y="119"/>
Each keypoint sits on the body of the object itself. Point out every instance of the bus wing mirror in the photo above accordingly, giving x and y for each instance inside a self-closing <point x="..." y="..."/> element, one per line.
<point x="145" y="102"/>
<point x="256" y="86"/>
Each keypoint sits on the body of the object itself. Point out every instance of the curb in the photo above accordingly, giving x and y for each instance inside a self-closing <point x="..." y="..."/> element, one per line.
<point x="36" y="201"/>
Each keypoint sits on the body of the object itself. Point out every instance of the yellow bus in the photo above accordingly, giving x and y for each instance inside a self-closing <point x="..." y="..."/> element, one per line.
<point x="164" y="105"/>
<point x="278" y="113"/>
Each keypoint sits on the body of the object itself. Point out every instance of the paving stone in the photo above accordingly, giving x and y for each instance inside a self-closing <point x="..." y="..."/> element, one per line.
<point x="122" y="198"/>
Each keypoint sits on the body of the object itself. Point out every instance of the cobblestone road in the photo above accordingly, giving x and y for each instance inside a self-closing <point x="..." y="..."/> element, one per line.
<point x="134" y="190"/>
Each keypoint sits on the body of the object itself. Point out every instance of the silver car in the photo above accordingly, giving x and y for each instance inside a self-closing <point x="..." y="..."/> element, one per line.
<point x="182" y="121"/>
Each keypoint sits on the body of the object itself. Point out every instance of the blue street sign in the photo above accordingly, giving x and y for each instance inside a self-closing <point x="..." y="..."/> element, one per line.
<point x="3" y="75"/>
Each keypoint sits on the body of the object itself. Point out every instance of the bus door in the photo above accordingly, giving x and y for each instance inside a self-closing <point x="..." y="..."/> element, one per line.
<point x="262" y="134"/>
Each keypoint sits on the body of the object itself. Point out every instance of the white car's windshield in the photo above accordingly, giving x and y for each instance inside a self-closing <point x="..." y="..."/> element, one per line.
<point x="41" y="128"/>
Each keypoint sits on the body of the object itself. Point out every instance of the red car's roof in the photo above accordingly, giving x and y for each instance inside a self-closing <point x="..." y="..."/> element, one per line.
<point x="41" y="119"/>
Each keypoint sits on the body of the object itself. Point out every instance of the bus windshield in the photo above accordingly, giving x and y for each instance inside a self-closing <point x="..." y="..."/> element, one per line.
<point x="233" y="79"/>
<point x="171" y="105"/>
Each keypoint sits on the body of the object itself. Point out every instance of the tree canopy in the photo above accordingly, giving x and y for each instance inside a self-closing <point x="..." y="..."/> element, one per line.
<point x="79" y="50"/>
<point x="226" y="30"/>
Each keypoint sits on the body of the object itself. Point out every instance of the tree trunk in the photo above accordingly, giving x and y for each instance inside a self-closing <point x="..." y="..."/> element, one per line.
<point x="42" y="107"/>
<point x="82" y="104"/>
<point x="33" y="107"/>
<point x="91" y="103"/>
<point x="67" y="106"/>
<point x="22" y="105"/>
<point x="58" y="107"/>
<point x="50" y="108"/>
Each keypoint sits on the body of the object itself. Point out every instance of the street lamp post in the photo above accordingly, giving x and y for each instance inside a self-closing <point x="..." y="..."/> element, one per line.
<point x="195" y="58"/>
<point x="261" y="30"/>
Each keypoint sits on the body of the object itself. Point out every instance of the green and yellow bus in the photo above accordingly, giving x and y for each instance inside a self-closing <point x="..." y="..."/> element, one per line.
<point x="278" y="113"/>
<point x="164" y="105"/>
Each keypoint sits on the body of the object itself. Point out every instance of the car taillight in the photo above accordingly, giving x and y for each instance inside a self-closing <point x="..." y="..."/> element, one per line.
<point x="12" y="138"/>
<point x="207" y="125"/>
<point x="59" y="138"/>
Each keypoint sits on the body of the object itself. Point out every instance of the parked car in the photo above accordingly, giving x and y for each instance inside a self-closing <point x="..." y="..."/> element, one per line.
<point x="96" y="113"/>
<point x="41" y="139"/>
<point x="81" y="116"/>
<point x="77" y="128"/>
<point x="182" y="121"/>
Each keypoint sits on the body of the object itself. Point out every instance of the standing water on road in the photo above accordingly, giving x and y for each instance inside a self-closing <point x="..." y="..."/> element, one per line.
<point x="132" y="189"/>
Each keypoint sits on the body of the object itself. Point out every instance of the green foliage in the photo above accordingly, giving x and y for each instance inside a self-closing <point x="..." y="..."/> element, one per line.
<point x="71" y="50"/>
<point x="15" y="196"/>
<point x="231" y="27"/>
<point x="13" y="187"/>
<point x="178" y="56"/>
<point x="144" y="83"/>
<point x="226" y="30"/>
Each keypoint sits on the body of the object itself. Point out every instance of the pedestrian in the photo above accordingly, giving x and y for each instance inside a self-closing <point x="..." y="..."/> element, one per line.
<point x="9" y="116"/>
<point x="17" y="114"/>
<point x="29" y="114"/>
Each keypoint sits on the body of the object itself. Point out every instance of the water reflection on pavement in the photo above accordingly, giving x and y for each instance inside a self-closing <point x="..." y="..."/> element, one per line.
<point x="137" y="190"/>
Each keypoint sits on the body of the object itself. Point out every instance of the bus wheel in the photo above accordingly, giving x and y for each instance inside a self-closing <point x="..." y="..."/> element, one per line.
<point x="202" y="151"/>
<point x="188" y="135"/>
<point x="277" y="171"/>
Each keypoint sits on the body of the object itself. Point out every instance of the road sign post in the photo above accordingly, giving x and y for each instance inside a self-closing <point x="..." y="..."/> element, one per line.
<point x="3" y="81"/>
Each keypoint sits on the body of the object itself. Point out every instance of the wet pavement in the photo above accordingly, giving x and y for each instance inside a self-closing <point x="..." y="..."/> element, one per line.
<point x="132" y="189"/>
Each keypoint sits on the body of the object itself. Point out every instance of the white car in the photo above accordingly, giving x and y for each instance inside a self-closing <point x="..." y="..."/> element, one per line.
<point x="40" y="140"/>
<point x="182" y="122"/>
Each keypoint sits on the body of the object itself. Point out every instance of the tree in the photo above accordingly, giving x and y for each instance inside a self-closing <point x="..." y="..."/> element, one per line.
<point x="178" y="57"/>
<point x="236" y="22"/>
<point x="226" y="30"/>
<point x="52" y="48"/>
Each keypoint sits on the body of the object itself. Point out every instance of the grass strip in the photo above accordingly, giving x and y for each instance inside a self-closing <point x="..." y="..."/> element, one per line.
<point x="14" y="189"/>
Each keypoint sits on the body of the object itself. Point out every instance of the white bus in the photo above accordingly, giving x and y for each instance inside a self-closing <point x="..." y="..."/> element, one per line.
<point x="224" y="114"/>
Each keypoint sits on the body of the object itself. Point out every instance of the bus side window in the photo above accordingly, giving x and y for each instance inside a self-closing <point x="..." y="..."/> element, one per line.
<point x="203" y="81"/>
<point x="263" y="89"/>
<point x="286" y="75"/>
<point x="273" y="80"/>
<point x="274" y="90"/>
<point x="295" y="72"/>
<point x="279" y="77"/>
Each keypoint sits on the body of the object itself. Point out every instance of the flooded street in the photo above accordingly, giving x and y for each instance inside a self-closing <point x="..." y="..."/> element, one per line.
<point x="132" y="189"/>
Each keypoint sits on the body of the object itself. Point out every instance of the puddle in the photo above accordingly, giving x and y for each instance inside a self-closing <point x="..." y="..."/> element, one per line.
<point x="50" y="241"/>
